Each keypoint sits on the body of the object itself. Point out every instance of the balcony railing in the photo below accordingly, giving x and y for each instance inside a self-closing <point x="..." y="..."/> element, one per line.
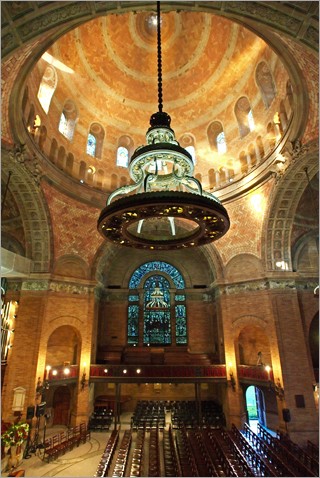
<point x="254" y="373"/>
<point x="246" y="373"/>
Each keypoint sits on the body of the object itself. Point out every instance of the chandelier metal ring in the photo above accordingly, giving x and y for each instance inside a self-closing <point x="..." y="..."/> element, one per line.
<point x="202" y="221"/>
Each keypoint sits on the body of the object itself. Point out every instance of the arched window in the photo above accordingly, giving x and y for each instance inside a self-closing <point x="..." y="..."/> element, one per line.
<point x="187" y="142"/>
<point x="216" y="137"/>
<point x="95" y="140"/>
<point x="122" y="157"/>
<point x="47" y="87"/>
<point x="124" y="150"/>
<point x="91" y="145"/>
<point x="163" y="312"/>
<point x="244" y="116"/>
<point x="221" y="143"/>
<point x="265" y="83"/>
<point x="68" y="119"/>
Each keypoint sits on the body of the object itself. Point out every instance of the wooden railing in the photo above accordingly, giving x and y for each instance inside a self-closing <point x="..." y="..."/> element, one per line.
<point x="157" y="372"/>
<point x="289" y="456"/>
<point x="254" y="373"/>
<point x="251" y="373"/>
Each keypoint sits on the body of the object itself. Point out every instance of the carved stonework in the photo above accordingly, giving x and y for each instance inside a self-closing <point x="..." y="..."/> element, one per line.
<point x="69" y="288"/>
<point x="271" y="284"/>
<point x="258" y="10"/>
<point x="55" y="286"/>
<point x="35" y="285"/>
<point x="52" y="18"/>
<point x="20" y="155"/>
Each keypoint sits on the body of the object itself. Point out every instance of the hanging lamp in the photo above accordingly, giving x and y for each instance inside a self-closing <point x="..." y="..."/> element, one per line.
<point x="165" y="208"/>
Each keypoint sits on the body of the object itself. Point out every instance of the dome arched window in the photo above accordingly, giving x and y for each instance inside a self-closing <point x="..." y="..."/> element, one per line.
<point x="244" y="116"/>
<point x="265" y="83"/>
<point x="216" y="137"/>
<point x="95" y="140"/>
<point x="47" y="87"/>
<point x="68" y="120"/>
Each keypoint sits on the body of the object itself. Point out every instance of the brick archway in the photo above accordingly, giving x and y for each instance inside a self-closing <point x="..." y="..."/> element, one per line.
<point x="34" y="214"/>
<point x="276" y="245"/>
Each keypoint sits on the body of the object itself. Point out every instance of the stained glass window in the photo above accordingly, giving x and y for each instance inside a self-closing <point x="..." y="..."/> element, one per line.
<point x="122" y="157"/>
<point x="133" y="324"/>
<point x="159" y="266"/>
<point x="181" y="324"/>
<point x="157" y="324"/>
<point x="157" y="319"/>
<point x="91" y="145"/>
<point x="221" y="143"/>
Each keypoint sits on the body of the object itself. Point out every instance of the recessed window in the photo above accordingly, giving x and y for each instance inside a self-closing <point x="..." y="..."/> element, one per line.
<point x="47" y="87"/>
<point x="244" y="116"/>
<point x="95" y="140"/>
<point x="68" y="119"/>
<point x="265" y="83"/>
<point x="122" y="157"/>
<point x="216" y="137"/>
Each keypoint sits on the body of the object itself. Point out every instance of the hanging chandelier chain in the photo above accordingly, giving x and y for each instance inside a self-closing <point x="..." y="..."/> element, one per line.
<point x="160" y="105"/>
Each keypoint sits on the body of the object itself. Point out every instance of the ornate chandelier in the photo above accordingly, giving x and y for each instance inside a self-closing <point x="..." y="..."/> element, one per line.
<point x="169" y="209"/>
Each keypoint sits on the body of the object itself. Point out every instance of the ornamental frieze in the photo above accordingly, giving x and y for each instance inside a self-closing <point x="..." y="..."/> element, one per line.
<point x="54" y="286"/>
<point x="271" y="284"/>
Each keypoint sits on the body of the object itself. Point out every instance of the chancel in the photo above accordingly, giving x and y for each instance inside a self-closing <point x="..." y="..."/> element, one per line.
<point x="160" y="227"/>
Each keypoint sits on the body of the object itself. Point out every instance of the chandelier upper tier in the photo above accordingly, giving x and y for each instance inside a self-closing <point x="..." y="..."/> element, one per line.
<point x="165" y="208"/>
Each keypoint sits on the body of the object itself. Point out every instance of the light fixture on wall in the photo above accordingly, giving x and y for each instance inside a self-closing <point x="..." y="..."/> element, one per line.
<point x="275" y="387"/>
<point x="169" y="209"/>
<point x="232" y="381"/>
<point x="83" y="381"/>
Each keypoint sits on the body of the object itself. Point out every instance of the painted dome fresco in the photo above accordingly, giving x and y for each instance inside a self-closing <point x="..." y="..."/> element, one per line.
<point x="94" y="90"/>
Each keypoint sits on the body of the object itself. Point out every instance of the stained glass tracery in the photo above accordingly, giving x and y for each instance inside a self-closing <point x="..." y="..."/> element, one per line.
<point x="160" y="320"/>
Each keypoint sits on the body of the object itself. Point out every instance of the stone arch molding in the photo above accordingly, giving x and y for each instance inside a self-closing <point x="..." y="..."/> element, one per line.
<point x="34" y="214"/>
<point x="243" y="321"/>
<point x="276" y="240"/>
<point x="23" y="22"/>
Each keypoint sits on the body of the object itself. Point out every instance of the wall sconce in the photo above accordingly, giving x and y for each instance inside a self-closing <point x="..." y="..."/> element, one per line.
<point x="83" y="381"/>
<point x="232" y="381"/>
<point x="276" y="387"/>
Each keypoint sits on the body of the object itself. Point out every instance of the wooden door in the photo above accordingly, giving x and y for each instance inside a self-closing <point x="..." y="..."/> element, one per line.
<point x="61" y="406"/>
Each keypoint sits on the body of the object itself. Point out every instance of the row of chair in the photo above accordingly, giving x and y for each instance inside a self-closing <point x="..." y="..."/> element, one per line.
<point x="122" y="456"/>
<point x="154" y="458"/>
<point x="171" y="464"/>
<point x="186" y="414"/>
<point x="186" y="458"/>
<point x="101" y="419"/>
<point x="65" y="441"/>
<point x="137" y="455"/>
<point x="107" y="455"/>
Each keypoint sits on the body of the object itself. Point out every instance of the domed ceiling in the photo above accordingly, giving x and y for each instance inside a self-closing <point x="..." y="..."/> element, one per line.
<point x="108" y="68"/>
